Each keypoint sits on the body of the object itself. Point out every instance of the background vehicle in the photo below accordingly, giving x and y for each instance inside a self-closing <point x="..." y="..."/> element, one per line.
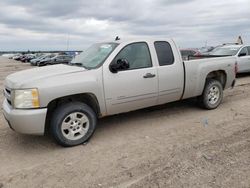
<point x="42" y="58"/>
<point x="10" y="56"/>
<point x="241" y="52"/>
<point x="205" y="50"/>
<point x="186" y="53"/>
<point x="37" y="59"/>
<point x="27" y="57"/>
<point x="110" y="78"/>
<point x="18" y="57"/>
<point x="58" y="59"/>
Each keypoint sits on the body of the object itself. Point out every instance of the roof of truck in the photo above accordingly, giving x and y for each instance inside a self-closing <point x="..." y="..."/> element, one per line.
<point x="122" y="40"/>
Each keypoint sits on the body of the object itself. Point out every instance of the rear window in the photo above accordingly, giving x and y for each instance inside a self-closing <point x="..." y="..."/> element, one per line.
<point x="164" y="53"/>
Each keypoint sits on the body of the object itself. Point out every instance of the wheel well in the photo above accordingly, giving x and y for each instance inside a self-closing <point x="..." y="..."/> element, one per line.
<point x="88" y="98"/>
<point x="218" y="75"/>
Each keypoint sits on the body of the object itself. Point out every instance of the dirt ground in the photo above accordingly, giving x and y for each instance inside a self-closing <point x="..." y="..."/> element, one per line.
<point x="174" y="145"/>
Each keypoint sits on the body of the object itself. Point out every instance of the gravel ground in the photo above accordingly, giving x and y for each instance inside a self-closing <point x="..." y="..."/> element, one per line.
<point x="174" y="145"/>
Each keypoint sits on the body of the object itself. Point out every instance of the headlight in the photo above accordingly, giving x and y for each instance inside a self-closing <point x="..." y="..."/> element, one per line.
<point x="26" y="98"/>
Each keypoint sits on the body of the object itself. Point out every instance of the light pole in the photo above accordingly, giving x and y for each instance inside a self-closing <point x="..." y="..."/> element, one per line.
<point x="68" y="42"/>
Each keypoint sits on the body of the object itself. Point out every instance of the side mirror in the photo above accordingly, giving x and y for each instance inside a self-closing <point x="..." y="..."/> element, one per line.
<point x="242" y="54"/>
<point x="119" y="65"/>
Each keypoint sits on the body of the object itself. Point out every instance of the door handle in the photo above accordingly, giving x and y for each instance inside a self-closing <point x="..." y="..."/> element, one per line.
<point x="149" y="75"/>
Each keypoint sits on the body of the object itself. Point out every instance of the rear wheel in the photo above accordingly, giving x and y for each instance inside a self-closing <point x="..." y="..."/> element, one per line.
<point x="41" y="64"/>
<point x="212" y="95"/>
<point x="73" y="123"/>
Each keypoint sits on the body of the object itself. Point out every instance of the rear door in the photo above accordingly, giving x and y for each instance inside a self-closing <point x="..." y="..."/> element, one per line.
<point x="170" y="72"/>
<point x="135" y="87"/>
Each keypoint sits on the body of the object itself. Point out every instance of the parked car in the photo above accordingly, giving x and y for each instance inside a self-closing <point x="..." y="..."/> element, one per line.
<point x="42" y="58"/>
<point x="110" y="78"/>
<point x="8" y="55"/>
<point x="186" y="53"/>
<point x="38" y="58"/>
<point x="35" y="60"/>
<point x="241" y="52"/>
<point x="18" y="57"/>
<point x="205" y="50"/>
<point x="26" y="58"/>
<point x="58" y="59"/>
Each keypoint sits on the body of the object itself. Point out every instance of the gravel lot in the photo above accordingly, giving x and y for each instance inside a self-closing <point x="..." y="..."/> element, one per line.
<point x="174" y="145"/>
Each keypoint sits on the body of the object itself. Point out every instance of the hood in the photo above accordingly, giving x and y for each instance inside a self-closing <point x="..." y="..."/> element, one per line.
<point x="19" y="79"/>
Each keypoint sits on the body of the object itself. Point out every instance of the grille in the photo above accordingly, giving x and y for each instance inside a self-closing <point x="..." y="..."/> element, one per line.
<point x="7" y="94"/>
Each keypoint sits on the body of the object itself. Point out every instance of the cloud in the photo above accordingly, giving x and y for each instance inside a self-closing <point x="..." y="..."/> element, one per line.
<point x="47" y="24"/>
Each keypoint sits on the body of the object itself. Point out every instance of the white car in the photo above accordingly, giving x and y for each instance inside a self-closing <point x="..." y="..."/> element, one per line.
<point x="241" y="52"/>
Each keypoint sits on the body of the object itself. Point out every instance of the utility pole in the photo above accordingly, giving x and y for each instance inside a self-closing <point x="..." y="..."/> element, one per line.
<point x="68" y="42"/>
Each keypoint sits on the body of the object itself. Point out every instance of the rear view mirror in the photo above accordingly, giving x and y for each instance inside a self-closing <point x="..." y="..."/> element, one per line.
<point x="242" y="54"/>
<point x="119" y="65"/>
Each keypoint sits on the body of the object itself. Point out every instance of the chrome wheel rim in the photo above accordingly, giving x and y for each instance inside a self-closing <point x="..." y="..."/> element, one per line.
<point x="75" y="126"/>
<point x="213" y="95"/>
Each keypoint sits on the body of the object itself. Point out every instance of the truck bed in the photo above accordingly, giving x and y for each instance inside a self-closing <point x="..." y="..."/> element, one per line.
<point x="196" y="72"/>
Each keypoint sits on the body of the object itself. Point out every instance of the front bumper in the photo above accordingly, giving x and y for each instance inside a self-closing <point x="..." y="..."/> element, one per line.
<point x="31" y="121"/>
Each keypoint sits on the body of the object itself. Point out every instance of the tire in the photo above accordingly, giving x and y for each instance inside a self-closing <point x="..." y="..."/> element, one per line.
<point x="212" y="95"/>
<point x="41" y="64"/>
<point x="73" y="123"/>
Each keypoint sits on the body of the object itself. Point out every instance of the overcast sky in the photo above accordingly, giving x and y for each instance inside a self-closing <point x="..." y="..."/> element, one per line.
<point x="48" y="24"/>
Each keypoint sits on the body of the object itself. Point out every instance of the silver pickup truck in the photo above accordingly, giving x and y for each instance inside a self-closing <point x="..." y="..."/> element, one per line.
<point x="110" y="78"/>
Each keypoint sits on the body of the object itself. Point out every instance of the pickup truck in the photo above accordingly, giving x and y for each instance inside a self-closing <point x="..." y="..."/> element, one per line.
<point x="110" y="78"/>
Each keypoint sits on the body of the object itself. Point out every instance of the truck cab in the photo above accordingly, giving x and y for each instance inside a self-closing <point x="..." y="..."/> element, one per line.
<point x="151" y="64"/>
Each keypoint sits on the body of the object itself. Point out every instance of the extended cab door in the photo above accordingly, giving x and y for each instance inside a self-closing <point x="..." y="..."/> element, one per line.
<point x="244" y="60"/>
<point x="170" y="71"/>
<point x="134" y="87"/>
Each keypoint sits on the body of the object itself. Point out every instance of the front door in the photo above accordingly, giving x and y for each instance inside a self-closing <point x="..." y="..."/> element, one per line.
<point x="134" y="87"/>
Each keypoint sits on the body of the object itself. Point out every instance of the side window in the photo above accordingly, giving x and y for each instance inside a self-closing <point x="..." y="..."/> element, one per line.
<point x="244" y="50"/>
<point x="248" y="49"/>
<point x="137" y="54"/>
<point x="164" y="53"/>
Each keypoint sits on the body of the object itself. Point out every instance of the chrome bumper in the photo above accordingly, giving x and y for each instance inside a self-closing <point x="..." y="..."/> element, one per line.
<point x="31" y="121"/>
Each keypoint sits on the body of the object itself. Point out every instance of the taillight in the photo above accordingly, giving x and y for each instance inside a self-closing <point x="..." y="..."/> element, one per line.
<point x="236" y="68"/>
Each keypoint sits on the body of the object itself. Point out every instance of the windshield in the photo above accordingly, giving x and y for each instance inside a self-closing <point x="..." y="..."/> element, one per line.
<point x="94" y="56"/>
<point x="225" y="51"/>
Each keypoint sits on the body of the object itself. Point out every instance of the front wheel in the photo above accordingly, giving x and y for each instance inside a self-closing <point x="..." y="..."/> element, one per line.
<point x="212" y="95"/>
<point x="73" y="123"/>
